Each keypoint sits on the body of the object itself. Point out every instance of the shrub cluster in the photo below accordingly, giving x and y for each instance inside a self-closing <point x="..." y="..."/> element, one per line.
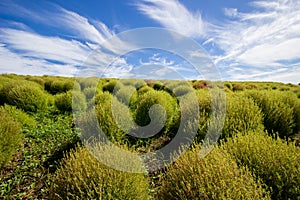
<point x="216" y="176"/>
<point x="275" y="162"/>
<point x="82" y="176"/>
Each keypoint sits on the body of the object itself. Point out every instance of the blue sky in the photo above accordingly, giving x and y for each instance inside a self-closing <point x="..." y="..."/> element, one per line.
<point x="246" y="40"/>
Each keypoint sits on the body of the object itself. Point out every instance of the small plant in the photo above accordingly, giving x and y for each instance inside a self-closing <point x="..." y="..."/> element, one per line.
<point x="216" y="176"/>
<point x="10" y="137"/>
<point x="82" y="176"/>
<point x="275" y="162"/>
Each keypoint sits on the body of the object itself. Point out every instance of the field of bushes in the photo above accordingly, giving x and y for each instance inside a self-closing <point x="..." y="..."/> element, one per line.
<point x="46" y="121"/>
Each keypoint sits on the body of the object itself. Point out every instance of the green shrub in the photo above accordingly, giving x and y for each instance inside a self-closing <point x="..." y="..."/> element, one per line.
<point x="82" y="176"/>
<point x="144" y="89"/>
<point x="25" y="95"/>
<point x="238" y="87"/>
<point x="89" y="92"/>
<point x="10" y="137"/>
<point x="167" y="109"/>
<point x="127" y="95"/>
<point x="110" y="86"/>
<point x="182" y="90"/>
<point x="113" y="116"/>
<point x="216" y="176"/>
<point x="55" y="86"/>
<point x="70" y="101"/>
<point x="20" y="116"/>
<point x="278" y="115"/>
<point x="242" y="115"/>
<point x="35" y="79"/>
<point x="275" y="162"/>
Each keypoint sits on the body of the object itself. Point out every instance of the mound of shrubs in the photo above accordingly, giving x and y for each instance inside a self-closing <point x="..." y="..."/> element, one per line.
<point x="25" y="95"/>
<point x="82" y="176"/>
<point x="216" y="176"/>
<point x="10" y="137"/>
<point x="275" y="162"/>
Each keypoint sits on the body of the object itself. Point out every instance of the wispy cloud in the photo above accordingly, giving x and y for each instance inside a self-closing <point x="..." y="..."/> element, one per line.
<point x="258" y="41"/>
<point x="85" y="45"/>
<point x="173" y="15"/>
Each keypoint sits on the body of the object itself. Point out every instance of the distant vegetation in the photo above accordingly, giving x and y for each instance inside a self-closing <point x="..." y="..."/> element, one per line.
<point x="42" y="151"/>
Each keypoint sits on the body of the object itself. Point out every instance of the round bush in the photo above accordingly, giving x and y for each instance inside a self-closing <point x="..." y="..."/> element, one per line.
<point x="82" y="176"/>
<point x="242" y="115"/>
<point x="167" y="110"/>
<point x="25" y="95"/>
<point x="70" y="101"/>
<point x="10" y="137"/>
<point x="110" y="86"/>
<point x="18" y="115"/>
<point x="114" y="117"/>
<point x="278" y="114"/>
<point x="182" y="90"/>
<point x="275" y="162"/>
<point x="216" y="176"/>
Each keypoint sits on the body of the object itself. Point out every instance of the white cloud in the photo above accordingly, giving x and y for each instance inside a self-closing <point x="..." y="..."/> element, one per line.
<point x="173" y="15"/>
<point x="259" y="41"/>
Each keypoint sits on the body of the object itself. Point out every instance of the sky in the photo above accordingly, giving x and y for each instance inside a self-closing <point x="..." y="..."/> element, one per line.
<point x="244" y="40"/>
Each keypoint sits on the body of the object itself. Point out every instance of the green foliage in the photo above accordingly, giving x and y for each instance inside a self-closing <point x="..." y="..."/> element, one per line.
<point x="25" y="95"/>
<point x="20" y="116"/>
<point x="182" y="90"/>
<point x="275" y="162"/>
<point x="55" y="86"/>
<point x="238" y="87"/>
<point x="110" y="86"/>
<point x="216" y="176"/>
<point x="242" y="115"/>
<point x="113" y="116"/>
<point x="71" y="101"/>
<point x="167" y="109"/>
<point x="82" y="176"/>
<point x="10" y="137"/>
<point x="279" y="116"/>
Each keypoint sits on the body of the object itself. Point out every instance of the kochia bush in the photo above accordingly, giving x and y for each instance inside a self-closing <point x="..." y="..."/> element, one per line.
<point x="275" y="162"/>
<point x="25" y="95"/>
<point x="10" y="137"/>
<point x="82" y="176"/>
<point x="216" y="176"/>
